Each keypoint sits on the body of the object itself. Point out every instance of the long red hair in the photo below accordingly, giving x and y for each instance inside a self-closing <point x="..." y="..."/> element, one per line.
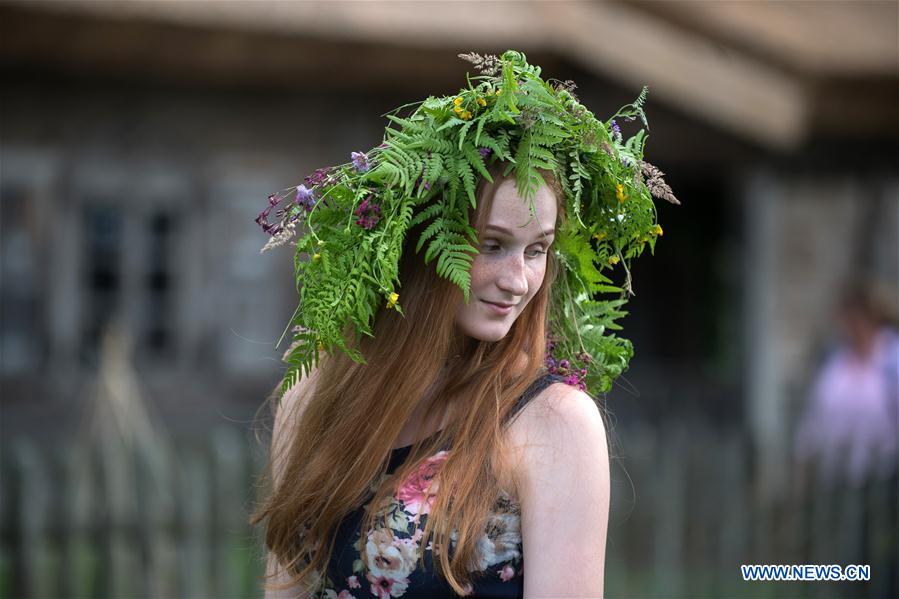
<point x="355" y="413"/>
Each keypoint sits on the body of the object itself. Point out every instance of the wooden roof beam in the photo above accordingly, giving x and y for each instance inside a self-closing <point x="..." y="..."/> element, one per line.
<point x="731" y="90"/>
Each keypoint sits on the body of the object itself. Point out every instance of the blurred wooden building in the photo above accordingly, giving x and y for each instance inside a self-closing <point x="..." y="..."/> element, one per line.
<point x="140" y="139"/>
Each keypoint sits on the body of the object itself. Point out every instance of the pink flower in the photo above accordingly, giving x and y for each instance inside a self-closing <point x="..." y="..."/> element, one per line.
<point x="353" y="582"/>
<point x="507" y="573"/>
<point x="384" y="588"/>
<point x="417" y="491"/>
<point x="345" y="594"/>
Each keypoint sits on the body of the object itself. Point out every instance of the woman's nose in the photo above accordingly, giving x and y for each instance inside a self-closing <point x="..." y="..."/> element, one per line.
<point x="512" y="277"/>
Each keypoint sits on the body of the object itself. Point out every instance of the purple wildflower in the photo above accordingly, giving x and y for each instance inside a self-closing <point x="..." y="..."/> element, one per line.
<point x="616" y="130"/>
<point x="575" y="381"/>
<point x="566" y="368"/>
<point x="305" y="198"/>
<point x="271" y="229"/>
<point x="485" y="152"/>
<point x="360" y="161"/>
<point x="369" y="214"/>
<point x="318" y="176"/>
<point x="420" y="183"/>
<point x="262" y="217"/>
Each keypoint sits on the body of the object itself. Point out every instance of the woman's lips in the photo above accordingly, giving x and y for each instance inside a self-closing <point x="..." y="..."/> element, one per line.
<point x="497" y="309"/>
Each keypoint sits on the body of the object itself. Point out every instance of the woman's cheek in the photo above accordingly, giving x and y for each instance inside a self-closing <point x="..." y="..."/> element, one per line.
<point x="538" y="273"/>
<point x="535" y="279"/>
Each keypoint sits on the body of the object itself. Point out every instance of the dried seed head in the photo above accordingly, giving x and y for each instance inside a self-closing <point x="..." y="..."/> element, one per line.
<point x="655" y="181"/>
<point x="488" y="64"/>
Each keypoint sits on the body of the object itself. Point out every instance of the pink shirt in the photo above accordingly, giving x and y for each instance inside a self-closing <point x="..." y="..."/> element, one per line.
<point x="851" y="425"/>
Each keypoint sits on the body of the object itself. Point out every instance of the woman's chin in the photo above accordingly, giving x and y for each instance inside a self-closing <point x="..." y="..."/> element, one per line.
<point x="488" y="334"/>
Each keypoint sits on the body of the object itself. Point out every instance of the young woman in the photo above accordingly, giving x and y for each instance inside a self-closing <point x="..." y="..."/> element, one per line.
<point x="454" y="452"/>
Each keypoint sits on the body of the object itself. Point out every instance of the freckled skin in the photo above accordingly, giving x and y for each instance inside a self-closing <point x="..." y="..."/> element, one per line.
<point x="510" y="267"/>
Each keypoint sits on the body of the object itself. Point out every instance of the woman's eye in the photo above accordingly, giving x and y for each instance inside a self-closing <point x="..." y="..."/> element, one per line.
<point x="494" y="247"/>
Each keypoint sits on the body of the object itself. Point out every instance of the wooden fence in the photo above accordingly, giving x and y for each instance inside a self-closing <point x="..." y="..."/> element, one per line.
<point x="687" y="512"/>
<point x="113" y="522"/>
<point x="119" y="523"/>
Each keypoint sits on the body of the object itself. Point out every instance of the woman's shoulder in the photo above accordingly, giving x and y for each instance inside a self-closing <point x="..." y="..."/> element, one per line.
<point x="556" y="411"/>
<point x="557" y="429"/>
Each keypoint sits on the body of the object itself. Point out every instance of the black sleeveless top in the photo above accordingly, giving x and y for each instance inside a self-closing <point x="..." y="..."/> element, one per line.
<point x="392" y="568"/>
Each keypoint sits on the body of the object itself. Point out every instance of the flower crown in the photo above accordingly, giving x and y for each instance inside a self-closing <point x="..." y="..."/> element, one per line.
<point x="355" y="217"/>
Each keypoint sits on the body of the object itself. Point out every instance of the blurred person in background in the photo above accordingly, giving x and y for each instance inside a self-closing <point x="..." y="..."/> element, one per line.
<point x="848" y="436"/>
<point x="850" y="427"/>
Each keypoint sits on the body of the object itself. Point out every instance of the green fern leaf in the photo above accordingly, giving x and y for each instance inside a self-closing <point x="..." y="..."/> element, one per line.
<point x="477" y="162"/>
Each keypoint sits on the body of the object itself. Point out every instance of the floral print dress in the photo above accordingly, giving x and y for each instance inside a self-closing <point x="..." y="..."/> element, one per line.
<point x="392" y="569"/>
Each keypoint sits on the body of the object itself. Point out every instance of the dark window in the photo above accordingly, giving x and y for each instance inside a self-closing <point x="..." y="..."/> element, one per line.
<point x="158" y="292"/>
<point x="102" y="272"/>
<point x="21" y="338"/>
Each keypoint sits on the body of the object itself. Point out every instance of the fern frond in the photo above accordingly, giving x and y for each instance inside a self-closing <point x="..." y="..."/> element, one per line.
<point x="426" y="214"/>
<point x="431" y="230"/>
<point x="477" y="162"/>
<point x="433" y="144"/>
<point x="463" y="131"/>
<point x="434" y="167"/>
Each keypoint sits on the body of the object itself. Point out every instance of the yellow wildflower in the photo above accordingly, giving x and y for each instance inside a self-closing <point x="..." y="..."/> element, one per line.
<point x="614" y="260"/>
<point x="458" y="101"/>
<point x="499" y="90"/>
<point x="465" y="115"/>
<point x="457" y="109"/>
<point x="619" y="192"/>
<point x="316" y="256"/>
<point x="393" y="298"/>
<point x="599" y="236"/>
<point x="482" y="102"/>
<point x="658" y="230"/>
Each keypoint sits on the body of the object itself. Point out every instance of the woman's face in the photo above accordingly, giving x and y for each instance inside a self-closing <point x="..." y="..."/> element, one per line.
<point x="509" y="269"/>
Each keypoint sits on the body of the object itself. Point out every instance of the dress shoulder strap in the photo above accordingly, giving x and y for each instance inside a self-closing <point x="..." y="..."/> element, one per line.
<point x="539" y="384"/>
